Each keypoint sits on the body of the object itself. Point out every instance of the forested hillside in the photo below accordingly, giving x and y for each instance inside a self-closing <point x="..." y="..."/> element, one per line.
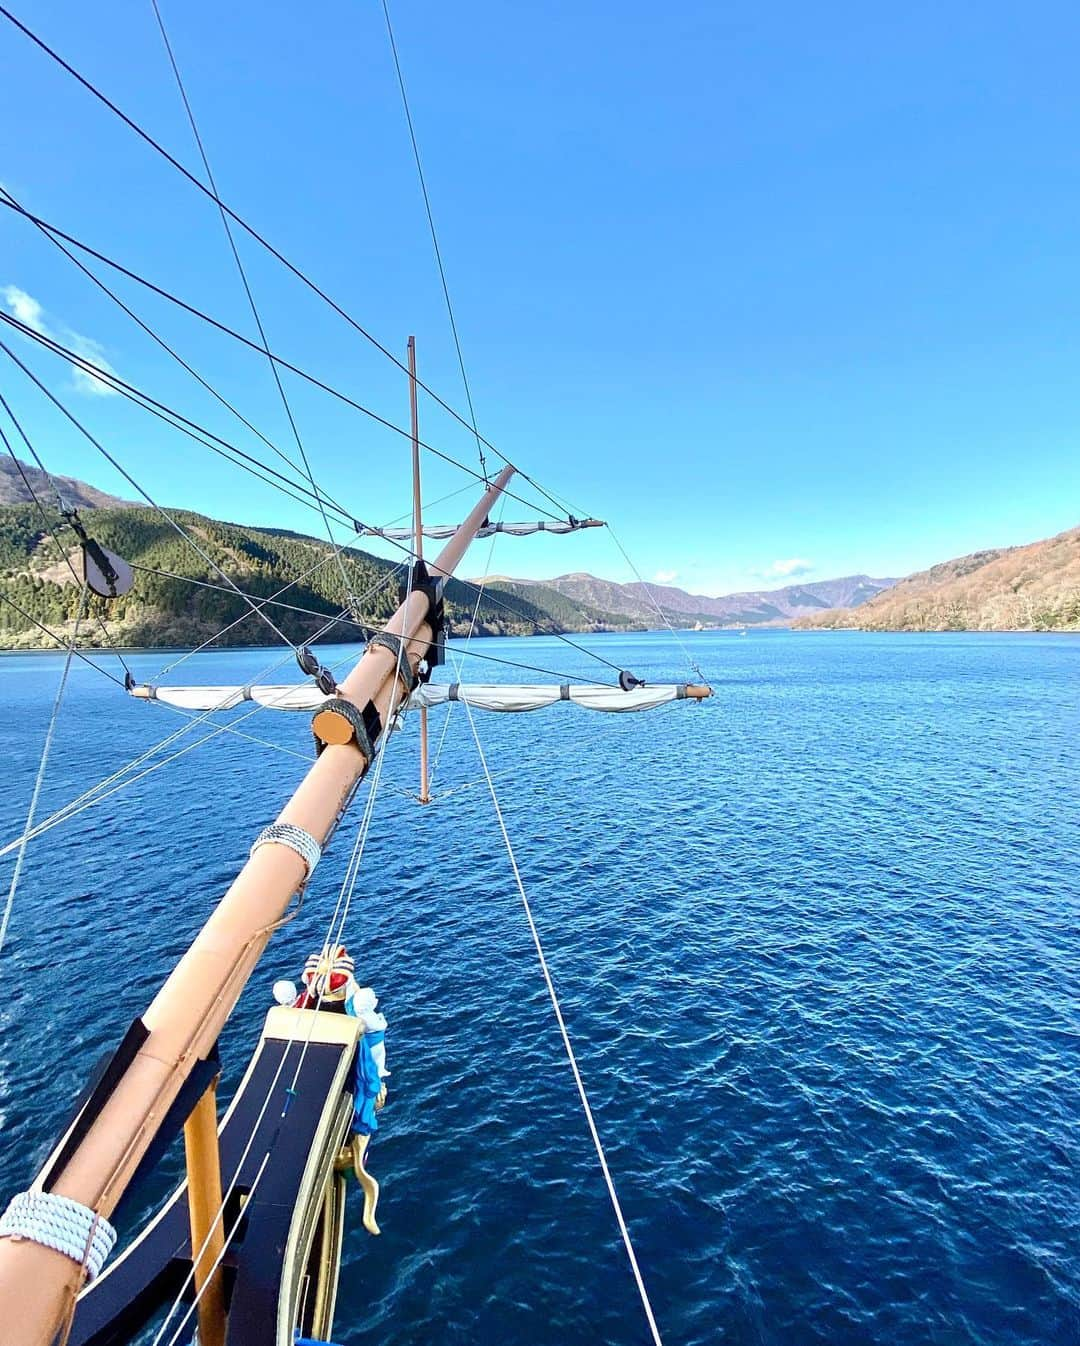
<point x="1032" y="588"/>
<point x="166" y="607"/>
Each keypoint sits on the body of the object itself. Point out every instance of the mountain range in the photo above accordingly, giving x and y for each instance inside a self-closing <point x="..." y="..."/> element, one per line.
<point x="1029" y="588"/>
<point x="181" y="598"/>
<point x="759" y="607"/>
<point x="14" y="476"/>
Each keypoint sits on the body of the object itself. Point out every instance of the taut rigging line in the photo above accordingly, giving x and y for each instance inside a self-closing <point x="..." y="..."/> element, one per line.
<point x="145" y="495"/>
<point x="176" y="419"/>
<point x="261" y="240"/>
<point x="135" y="394"/>
<point x="434" y="235"/>
<point x="250" y="296"/>
<point x="316" y="382"/>
<point x="54" y="239"/>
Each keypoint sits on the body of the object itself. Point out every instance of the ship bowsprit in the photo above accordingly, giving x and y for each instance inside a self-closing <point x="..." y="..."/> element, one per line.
<point x="284" y="1215"/>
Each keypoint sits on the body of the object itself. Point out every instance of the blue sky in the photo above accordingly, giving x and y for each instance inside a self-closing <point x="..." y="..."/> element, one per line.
<point x="776" y="289"/>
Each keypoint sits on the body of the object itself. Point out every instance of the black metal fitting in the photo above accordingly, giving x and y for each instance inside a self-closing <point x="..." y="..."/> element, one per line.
<point x="422" y="582"/>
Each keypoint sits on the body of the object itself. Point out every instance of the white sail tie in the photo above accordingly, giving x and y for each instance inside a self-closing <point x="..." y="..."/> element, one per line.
<point x="337" y="920"/>
<point x="616" y="1205"/>
<point x="488" y="696"/>
<point x="121" y="779"/>
<point x="64" y="1225"/>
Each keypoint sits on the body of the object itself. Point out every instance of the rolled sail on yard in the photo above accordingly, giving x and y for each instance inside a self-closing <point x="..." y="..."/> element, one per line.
<point x="444" y="530"/>
<point x="505" y="697"/>
<point x="514" y="697"/>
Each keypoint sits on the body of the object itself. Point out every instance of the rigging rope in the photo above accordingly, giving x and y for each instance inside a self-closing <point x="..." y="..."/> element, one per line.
<point x="343" y="619"/>
<point x="146" y="496"/>
<point x="170" y="416"/>
<point x="61" y="549"/>
<point x="259" y="238"/>
<point x="100" y="791"/>
<point x="154" y="336"/>
<point x="6" y="598"/>
<point x="226" y="1245"/>
<point x="157" y="408"/>
<point x="248" y="292"/>
<point x="343" y="616"/>
<point x="609" y="1181"/>
<point x="434" y="237"/>
<point x="692" y="663"/>
<point x="42" y="763"/>
<point x="176" y="710"/>
<point x="568" y="1046"/>
<point x="468" y="640"/>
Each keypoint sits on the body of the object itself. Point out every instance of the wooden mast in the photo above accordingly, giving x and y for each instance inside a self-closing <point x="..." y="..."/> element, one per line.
<point x="37" y="1284"/>
<point x="418" y="544"/>
<point x="203" y="1158"/>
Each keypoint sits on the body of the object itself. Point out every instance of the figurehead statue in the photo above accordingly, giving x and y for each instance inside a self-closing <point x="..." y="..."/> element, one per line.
<point x="330" y="985"/>
<point x="329" y="980"/>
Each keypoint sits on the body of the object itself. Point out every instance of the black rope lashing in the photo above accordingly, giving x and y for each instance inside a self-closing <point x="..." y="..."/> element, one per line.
<point x="338" y="706"/>
<point x="389" y="641"/>
<point x="309" y="664"/>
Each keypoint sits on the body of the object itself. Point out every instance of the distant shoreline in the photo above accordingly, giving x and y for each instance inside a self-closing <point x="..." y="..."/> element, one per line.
<point x="104" y="651"/>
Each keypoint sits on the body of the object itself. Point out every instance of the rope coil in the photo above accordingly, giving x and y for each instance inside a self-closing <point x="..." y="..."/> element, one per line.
<point x="288" y="834"/>
<point x="64" y="1225"/>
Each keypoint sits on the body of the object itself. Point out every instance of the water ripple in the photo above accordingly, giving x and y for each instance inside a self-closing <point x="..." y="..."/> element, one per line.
<point x="816" y="943"/>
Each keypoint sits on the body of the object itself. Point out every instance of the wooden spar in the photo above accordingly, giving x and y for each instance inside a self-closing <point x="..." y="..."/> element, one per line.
<point x="418" y="544"/>
<point x="37" y="1284"/>
<point x="415" y="422"/>
<point x="204" y="1204"/>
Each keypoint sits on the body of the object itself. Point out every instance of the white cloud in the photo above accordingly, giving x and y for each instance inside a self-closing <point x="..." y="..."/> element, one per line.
<point x="27" y="310"/>
<point x="24" y="307"/>
<point x="793" y="566"/>
<point x="665" y="576"/>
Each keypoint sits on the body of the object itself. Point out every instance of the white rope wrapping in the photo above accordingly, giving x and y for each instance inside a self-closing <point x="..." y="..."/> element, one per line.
<point x="288" y="834"/>
<point x="64" y="1225"/>
<point x="337" y="920"/>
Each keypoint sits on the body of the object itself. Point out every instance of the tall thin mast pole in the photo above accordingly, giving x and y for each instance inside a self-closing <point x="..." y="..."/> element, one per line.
<point x="418" y="530"/>
<point x="38" y="1284"/>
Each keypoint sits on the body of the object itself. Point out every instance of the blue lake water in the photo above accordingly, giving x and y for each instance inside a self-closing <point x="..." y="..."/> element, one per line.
<point x="817" y="943"/>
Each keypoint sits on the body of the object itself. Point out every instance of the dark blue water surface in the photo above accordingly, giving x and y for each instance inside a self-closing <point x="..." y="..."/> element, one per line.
<point x="817" y="943"/>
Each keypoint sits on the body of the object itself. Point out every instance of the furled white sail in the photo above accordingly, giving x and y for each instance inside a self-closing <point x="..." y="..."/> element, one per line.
<point x="513" y="697"/>
<point x="194" y="698"/>
<point x="444" y="530"/>
<point x="504" y="697"/>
